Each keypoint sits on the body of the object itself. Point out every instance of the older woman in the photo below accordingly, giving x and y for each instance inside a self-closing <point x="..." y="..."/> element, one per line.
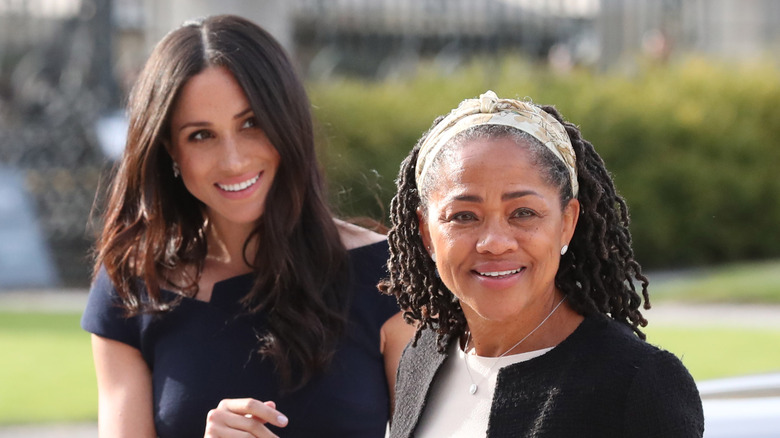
<point x="510" y="250"/>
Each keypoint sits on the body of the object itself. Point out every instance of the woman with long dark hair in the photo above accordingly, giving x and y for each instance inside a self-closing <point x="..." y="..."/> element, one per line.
<point x="226" y="298"/>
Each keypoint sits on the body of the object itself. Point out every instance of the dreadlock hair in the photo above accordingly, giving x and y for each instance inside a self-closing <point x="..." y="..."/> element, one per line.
<point x="597" y="274"/>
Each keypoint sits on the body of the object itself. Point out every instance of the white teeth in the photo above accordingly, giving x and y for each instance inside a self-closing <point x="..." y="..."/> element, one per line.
<point x="240" y="186"/>
<point x="499" y="273"/>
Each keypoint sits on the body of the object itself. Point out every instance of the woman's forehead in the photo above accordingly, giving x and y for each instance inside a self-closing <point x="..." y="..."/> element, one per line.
<point x="474" y="157"/>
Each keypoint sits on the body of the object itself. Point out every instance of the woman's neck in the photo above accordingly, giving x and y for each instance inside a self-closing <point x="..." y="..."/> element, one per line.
<point x="227" y="248"/>
<point x="496" y="338"/>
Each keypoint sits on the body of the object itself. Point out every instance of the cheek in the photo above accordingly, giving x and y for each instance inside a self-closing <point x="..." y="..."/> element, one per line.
<point x="452" y="245"/>
<point x="195" y="174"/>
<point x="543" y="246"/>
<point x="438" y="237"/>
<point x="192" y="170"/>
<point x="273" y="156"/>
<point x="189" y="158"/>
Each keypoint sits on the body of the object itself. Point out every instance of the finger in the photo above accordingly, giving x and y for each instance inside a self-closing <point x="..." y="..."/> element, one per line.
<point x="259" y="410"/>
<point x="222" y="423"/>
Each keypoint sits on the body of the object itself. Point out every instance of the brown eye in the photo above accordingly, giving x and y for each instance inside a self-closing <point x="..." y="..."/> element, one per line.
<point x="249" y="123"/>
<point x="199" y="135"/>
<point x="464" y="216"/>
<point x="523" y="213"/>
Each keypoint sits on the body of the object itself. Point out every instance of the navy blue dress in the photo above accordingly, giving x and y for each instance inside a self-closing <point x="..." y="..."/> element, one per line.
<point x="201" y="352"/>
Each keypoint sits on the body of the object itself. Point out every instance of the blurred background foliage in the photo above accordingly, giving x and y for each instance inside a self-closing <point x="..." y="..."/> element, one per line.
<point x="693" y="145"/>
<point x="678" y="97"/>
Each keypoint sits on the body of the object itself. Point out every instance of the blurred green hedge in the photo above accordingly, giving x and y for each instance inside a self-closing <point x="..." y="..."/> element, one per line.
<point x="693" y="147"/>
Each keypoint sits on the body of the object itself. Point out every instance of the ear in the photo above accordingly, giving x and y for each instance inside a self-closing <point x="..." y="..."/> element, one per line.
<point x="168" y="146"/>
<point x="571" y="213"/>
<point x="425" y="234"/>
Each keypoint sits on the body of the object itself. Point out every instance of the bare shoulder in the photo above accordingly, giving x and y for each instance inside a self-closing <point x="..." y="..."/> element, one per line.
<point x="354" y="236"/>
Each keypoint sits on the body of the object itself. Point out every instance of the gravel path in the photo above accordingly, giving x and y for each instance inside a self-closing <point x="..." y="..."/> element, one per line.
<point x="84" y="430"/>
<point x="728" y="315"/>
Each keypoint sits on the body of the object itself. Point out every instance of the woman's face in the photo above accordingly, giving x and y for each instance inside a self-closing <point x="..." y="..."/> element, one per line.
<point x="496" y="228"/>
<point x="226" y="160"/>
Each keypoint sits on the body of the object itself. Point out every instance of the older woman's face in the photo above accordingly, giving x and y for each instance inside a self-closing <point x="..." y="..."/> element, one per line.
<point x="496" y="228"/>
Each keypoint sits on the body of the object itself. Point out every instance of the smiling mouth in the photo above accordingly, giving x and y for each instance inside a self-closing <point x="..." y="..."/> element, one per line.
<point x="240" y="186"/>
<point x="500" y="273"/>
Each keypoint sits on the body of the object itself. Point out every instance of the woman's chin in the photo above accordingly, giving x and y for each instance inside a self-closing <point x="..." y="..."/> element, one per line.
<point x="494" y="311"/>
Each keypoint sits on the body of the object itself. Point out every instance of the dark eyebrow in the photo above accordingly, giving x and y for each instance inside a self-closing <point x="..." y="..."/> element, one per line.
<point x="204" y="124"/>
<point x="505" y="197"/>
<point x="518" y="194"/>
<point x="468" y="198"/>
<point x="243" y="113"/>
<point x="193" y="125"/>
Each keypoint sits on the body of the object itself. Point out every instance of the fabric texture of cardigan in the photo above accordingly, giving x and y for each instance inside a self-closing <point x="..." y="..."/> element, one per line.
<point x="601" y="381"/>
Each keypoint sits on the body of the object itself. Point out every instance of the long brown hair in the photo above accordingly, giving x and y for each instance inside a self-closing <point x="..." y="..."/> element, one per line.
<point x="152" y="225"/>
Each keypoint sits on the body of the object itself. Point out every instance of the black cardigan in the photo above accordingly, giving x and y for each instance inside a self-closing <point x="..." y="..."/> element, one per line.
<point x="602" y="381"/>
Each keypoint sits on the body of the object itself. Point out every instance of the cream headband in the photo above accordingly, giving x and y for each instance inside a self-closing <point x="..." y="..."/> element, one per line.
<point x="490" y="110"/>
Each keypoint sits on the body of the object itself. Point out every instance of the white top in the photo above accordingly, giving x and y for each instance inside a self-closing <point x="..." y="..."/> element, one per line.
<point x="451" y="411"/>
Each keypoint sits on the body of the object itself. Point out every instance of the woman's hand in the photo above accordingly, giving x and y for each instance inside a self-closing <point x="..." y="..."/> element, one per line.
<point x="245" y="417"/>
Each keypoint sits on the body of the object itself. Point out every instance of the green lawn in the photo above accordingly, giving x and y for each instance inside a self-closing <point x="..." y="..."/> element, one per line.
<point x="711" y="352"/>
<point x="738" y="283"/>
<point x="46" y="371"/>
<point x="714" y="350"/>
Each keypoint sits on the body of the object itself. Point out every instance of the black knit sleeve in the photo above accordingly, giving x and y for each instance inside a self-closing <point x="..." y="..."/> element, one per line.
<point x="663" y="401"/>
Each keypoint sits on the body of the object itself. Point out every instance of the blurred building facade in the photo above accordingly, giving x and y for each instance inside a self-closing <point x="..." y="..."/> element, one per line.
<point x="66" y="65"/>
<point x="56" y="81"/>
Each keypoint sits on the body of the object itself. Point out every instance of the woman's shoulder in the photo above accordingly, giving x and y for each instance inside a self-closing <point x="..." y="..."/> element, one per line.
<point x="105" y="314"/>
<point x="354" y="236"/>
<point x="612" y="352"/>
<point x="103" y="287"/>
<point x="368" y="253"/>
<point x="601" y="341"/>
<point x="663" y="388"/>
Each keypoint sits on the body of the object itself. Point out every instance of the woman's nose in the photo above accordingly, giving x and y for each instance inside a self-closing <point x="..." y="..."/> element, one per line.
<point x="497" y="238"/>
<point x="234" y="157"/>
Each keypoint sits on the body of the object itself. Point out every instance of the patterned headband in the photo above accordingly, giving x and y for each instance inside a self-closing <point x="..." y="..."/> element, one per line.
<point x="490" y="110"/>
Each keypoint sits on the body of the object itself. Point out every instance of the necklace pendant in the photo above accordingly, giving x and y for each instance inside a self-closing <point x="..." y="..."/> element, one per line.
<point x="473" y="389"/>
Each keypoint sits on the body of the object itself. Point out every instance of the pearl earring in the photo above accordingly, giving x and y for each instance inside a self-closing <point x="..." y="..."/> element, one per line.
<point x="433" y="257"/>
<point x="176" y="170"/>
<point x="564" y="249"/>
